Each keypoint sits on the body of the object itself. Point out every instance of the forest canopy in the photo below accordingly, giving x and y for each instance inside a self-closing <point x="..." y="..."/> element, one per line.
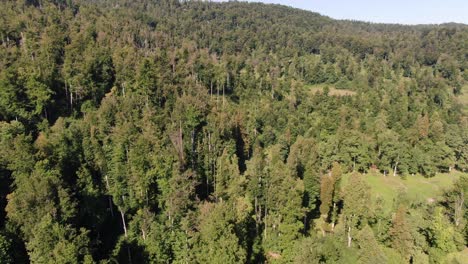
<point x="165" y="131"/>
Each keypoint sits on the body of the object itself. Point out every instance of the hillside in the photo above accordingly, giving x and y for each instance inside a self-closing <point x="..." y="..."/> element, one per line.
<point x="165" y="131"/>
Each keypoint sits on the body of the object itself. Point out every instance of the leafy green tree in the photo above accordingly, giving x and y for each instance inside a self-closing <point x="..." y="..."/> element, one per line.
<point x="356" y="205"/>
<point x="330" y="194"/>
<point x="11" y="105"/>
<point x="227" y="178"/>
<point x="456" y="139"/>
<point x="149" y="82"/>
<point x="40" y="193"/>
<point x="388" y="150"/>
<point x="457" y="199"/>
<point x="283" y="207"/>
<point x="443" y="237"/>
<point x="54" y="243"/>
<point x="39" y="94"/>
<point x="401" y="239"/>
<point x="369" y="248"/>
<point x="307" y="251"/>
<point x="303" y="161"/>
<point x="218" y="241"/>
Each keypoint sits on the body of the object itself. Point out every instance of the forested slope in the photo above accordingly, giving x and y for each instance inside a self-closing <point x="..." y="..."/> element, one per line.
<point x="189" y="132"/>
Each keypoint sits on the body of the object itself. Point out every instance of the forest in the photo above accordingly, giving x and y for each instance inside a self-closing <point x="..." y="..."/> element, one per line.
<point x="167" y="131"/>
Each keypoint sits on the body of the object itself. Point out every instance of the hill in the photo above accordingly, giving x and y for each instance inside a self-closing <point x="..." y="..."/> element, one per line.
<point x="164" y="131"/>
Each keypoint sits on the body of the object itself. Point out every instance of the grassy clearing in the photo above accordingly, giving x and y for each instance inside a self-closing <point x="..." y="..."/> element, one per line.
<point x="313" y="89"/>
<point x="414" y="188"/>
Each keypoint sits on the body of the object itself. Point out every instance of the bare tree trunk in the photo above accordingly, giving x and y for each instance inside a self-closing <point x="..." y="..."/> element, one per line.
<point x="110" y="197"/>
<point x="127" y="155"/>
<point x="223" y="95"/>
<point x="71" y="100"/>
<point x="66" y="91"/>
<point x="210" y="163"/>
<point x="217" y="94"/>
<point x="349" y="236"/>
<point x="192" y="138"/>
<point x="111" y="206"/>
<point x="123" y="222"/>
<point x="256" y="213"/>
<point x="177" y="140"/>
<point x="173" y="67"/>
<point x="333" y="220"/>
<point x="396" y="166"/>
<point x="23" y="41"/>
<point x="215" y="184"/>
<point x="354" y="163"/>
<point x="146" y="196"/>
<point x="217" y="179"/>
<point x="129" y="255"/>
<point x="227" y="79"/>
<point x="459" y="208"/>
<point x="265" y="221"/>
<point x="259" y="212"/>
<point x="266" y="213"/>
<point x="211" y="89"/>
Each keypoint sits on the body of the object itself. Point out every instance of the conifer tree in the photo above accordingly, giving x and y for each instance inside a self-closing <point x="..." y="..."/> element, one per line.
<point x="400" y="234"/>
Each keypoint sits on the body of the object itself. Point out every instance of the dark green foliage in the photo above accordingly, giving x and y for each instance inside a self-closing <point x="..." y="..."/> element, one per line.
<point x="203" y="132"/>
<point x="369" y="248"/>
<point x="5" y="250"/>
<point x="217" y="239"/>
<point x="53" y="243"/>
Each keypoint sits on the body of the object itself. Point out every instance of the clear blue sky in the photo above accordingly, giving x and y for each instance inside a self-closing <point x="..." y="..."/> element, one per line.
<point x="386" y="11"/>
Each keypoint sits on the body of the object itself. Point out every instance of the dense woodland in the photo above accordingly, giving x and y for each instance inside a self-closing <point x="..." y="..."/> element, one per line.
<point x="145" y="131"/>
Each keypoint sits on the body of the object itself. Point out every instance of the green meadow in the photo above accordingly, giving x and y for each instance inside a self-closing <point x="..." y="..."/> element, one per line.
<point x="414" y="188"/>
